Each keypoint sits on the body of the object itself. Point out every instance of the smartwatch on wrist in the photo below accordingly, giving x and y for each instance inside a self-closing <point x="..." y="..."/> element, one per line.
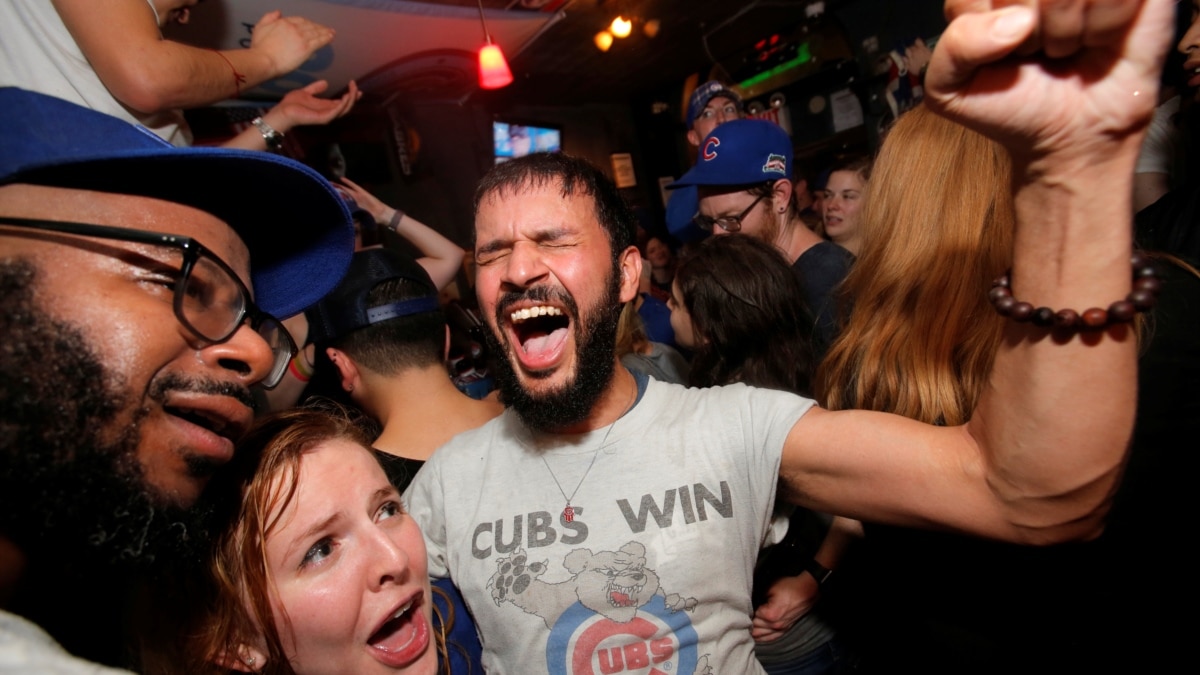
<point x="820" y="572"/>
<point x="394" y="223"/>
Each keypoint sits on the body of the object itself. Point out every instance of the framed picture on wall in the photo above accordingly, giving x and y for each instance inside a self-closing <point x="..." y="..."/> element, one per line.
<point x="622" y="164"/>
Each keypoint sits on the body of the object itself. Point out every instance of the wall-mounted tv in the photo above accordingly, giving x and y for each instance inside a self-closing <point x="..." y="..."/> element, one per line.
<point x="510" y="139"/>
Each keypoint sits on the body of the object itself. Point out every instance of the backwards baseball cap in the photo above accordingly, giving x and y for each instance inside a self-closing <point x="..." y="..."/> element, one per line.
<point x="346" y="309"/>
<point x="294" y="224"/>
<point x="741" y="152"/>
<point x="705" y="93"/>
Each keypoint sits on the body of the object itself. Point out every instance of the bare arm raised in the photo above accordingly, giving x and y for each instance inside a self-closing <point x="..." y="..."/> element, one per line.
<point x="440" y="257"/>
<point x="1041" y="456"/>
<point x="150" y="74"/>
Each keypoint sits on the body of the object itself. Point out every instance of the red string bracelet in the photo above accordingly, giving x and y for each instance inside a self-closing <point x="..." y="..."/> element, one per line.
<point x="238" y="78"/>
<point x="1146" y="286"/>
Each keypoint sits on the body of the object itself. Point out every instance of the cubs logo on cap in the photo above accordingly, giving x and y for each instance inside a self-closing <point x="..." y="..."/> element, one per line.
<point x="751" y="151"/>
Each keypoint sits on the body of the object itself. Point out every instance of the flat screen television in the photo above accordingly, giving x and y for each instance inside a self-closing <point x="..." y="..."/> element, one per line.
<point x="510" y="139"/>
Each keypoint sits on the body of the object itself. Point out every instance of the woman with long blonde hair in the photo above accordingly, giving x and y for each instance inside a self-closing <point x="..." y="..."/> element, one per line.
<point x="919" y="340"/>
<point x="937" y="229"/>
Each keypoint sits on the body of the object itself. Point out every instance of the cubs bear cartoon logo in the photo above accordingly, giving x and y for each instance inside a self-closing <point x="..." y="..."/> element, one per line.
<point x="612" y="583"/>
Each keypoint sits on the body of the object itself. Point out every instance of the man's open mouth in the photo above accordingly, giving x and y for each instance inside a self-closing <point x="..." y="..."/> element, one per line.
<point x="212" y="424"/>
<point x="205" y="420"/>
<point x="541" y="331"/>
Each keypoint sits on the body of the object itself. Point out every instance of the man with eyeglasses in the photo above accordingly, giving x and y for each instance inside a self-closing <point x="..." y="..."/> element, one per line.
<point x="710" y="105"/>
<point x="743" y="174"/>
<point x="140" y="286"/>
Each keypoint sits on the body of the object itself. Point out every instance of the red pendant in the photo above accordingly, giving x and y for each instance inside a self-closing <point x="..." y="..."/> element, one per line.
<point x="568" y="514"/>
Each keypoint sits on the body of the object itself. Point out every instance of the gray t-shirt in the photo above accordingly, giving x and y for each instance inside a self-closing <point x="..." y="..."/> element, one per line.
<point x="654" y="570"/>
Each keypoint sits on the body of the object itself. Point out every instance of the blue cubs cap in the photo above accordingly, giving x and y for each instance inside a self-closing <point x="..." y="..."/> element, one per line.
<point x="741" y="152"/>
<point x="294" y="224"/>
<point x="345" y="309"/>
<point x="705" y="93"/>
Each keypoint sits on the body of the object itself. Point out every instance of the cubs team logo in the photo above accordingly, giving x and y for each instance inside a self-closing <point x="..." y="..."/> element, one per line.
<point x="611" y="616"/>
<point x="658" y="641"/>
<point x="775" y="164"/>
<point x="710" y="148"/>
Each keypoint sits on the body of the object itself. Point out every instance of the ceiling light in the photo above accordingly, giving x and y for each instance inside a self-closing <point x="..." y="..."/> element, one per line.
<point x="621" y="27"/>
<point x="493" y="69"/>
<point x="604" y="40"/>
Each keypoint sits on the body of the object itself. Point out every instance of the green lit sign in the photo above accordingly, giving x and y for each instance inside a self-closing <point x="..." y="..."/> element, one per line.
<point x="803" y="56"/>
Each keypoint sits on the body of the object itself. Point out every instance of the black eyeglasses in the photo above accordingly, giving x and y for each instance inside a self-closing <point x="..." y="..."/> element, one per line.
<point x="730" y="224"/>
<point x="210" y="300"/>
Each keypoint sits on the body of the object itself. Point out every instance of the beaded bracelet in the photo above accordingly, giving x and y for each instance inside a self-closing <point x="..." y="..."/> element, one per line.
<point x="1146" y="286"/>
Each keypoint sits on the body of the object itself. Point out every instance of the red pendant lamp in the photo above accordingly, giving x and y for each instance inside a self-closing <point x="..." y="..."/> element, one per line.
<point x="493" y="69"/>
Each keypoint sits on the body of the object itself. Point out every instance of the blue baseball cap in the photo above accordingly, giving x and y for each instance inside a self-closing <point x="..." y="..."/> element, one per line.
<point x="741" y="152"/>
<point x="705" y="93"/>
<point x="294" y="224"/>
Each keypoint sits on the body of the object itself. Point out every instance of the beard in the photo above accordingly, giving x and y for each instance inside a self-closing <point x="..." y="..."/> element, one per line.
<point x="595" y="340"/>
<point x="74" y="497"/>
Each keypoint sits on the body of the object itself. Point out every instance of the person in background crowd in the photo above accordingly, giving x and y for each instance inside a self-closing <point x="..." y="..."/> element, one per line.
<point x="737" y="313"/>
<point x="710" y="105"/>
<point x="843" y="202"/>
<point x="744" y="175"/>
<point x="662" y="267"/>
<point x="1169" y="224"/>
<point x="386" y="338"/>
<point x="440" y="258"/>
<point x="640" y="354"/>
<point x="937" y="229"/>
<point x="735" y="305"/>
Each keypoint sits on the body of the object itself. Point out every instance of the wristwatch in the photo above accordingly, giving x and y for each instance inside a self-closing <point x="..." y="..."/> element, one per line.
<point x="273" y="138"/>
<point x="820" y="572"/>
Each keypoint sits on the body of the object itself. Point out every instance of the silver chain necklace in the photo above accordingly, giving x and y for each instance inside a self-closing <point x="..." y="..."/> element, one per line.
<point x="568" y="512"/>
